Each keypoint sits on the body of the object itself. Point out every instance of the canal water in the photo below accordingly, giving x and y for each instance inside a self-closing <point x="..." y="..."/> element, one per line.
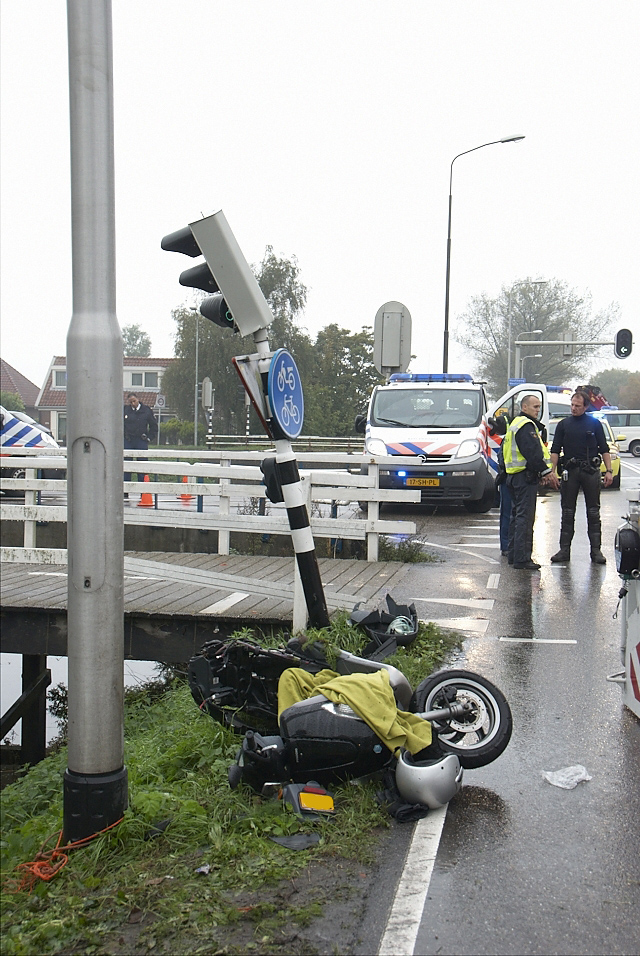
<point x="135" y="672"/>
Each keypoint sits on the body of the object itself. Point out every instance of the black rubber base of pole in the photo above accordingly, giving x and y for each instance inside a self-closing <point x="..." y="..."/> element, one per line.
<point x="92" y="802"/>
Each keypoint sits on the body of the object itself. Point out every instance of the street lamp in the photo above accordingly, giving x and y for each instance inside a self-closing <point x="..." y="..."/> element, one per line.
<point x="524" y="359"/>
<point x="445" y="354"/>
<point x="528" y="332"/>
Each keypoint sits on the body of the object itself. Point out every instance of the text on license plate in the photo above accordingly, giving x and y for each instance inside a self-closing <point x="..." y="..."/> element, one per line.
<point x="421" y="482"/>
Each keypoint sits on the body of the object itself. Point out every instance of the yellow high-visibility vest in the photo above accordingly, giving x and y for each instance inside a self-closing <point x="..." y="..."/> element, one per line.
<point x="514" y="460"/>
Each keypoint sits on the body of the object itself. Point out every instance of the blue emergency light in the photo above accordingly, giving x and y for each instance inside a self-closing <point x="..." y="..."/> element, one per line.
<point x="429" y="377"/>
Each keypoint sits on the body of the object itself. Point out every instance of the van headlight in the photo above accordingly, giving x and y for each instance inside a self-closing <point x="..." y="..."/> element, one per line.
<point x="469" y="447"/>
<point x="375" y="446"/>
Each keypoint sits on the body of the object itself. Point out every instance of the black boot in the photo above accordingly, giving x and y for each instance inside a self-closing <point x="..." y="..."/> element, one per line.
<point x="566" y="537"/>
<point x="595" y="535"/>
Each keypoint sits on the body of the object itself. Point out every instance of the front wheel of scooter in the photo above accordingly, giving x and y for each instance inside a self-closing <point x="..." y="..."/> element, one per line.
<point x="479" y="736"/>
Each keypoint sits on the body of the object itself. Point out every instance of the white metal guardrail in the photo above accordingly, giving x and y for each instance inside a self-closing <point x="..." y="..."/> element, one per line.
<point x="217" y="479"/>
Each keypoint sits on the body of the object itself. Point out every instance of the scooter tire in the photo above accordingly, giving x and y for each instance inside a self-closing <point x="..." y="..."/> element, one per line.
<point x="479" y="737"/>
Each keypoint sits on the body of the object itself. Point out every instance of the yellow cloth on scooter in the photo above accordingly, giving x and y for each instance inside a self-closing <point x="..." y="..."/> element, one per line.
<point x="370" y="696"/>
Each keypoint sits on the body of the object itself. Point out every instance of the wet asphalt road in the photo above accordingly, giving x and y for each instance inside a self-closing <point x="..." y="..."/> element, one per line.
<point x="525" y="867"/>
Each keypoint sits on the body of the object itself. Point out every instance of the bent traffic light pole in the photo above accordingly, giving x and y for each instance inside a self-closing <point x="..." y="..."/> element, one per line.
<point x="238" y="303"/>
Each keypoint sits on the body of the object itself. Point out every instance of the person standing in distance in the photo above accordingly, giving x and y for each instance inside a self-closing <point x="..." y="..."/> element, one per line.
<point x="526" y="463"/>
<point x="581" y="441"/>
<point x="140" y="427"/>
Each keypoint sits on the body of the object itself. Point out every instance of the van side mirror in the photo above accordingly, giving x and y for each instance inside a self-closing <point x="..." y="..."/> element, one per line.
<point x="498" y="425"/>
<point x="361" y="424"/>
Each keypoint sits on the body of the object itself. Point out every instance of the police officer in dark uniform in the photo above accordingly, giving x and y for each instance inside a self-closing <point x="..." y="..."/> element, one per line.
<point x="579" y="446"/>
<point x="140" y="426"/>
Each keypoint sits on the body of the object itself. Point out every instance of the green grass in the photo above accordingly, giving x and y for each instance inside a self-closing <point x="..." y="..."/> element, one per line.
<point x="135" y="889"/>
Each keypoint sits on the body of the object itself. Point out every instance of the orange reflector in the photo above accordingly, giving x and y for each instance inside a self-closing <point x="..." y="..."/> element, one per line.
<point x="322" y="802"/>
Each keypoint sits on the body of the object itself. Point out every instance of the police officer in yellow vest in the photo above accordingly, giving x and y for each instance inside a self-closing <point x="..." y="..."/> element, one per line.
<point x="527" y="463"/>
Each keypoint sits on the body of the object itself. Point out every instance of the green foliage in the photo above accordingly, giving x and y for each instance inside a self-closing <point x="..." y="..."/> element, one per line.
<point x="135" y="341"/>
<point x="11" y="401"/>
<point x="619" y="387"/>
<point x="408" y="549"/>
<point x="552" y="307"/>
<point x="135" y="888"/>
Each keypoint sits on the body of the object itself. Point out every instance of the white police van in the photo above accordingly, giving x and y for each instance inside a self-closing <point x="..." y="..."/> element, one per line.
<point x="439" y="422"/>
<point x="18" y="430"/>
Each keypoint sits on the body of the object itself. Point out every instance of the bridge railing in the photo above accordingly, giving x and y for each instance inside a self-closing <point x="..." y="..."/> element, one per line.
<point x="220" y="482"/>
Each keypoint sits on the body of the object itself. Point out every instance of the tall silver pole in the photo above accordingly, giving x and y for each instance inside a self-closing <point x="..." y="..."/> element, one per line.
<point x="195" y="394"/>
<point x="95" y="782"/>
<point x="509" y="351"/>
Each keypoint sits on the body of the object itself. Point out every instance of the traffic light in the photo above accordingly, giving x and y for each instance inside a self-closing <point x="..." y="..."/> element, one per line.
<point x="623" y="344"/>
<point x="269" y="469"/>
<point x="237" y="301"/>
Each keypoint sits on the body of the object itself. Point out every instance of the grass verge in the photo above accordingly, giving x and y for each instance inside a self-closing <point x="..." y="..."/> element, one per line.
<point x="136" y="889"/>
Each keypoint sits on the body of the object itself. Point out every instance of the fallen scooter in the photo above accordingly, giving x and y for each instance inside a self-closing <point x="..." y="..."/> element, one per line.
<point x="317" y="738"/>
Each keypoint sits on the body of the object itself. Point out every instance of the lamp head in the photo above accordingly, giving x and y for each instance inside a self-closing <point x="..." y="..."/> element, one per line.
<point x="511" y="139"/>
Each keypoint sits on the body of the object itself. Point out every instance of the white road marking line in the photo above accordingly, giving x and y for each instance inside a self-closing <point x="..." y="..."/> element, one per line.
<point x="447" y="547"/>
<point x="484" y="604"/>
<point x="533" y="640"/>
<point x="399" y="938"/>
<point x="475" y="625"/>
<point x="51" y="574"/>
<point x="476" y="544"/>
<point x="493" y="582"/>
<point x="488" y="537"/>
<point x="225" y="603"/>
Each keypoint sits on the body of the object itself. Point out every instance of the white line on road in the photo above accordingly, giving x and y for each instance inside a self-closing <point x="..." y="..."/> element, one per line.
<point x="483" y="604"/>
<point x="533" y="640"/>
<point x="473" y="624"/>
<point x="225" y="603"/>
<point x="400" y="935"/>
<point x="446" y="547"/>
<point x="493" y="582"/>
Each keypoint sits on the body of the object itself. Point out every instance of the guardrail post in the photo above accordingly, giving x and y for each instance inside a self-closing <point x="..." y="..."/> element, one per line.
<point x="30" y="499"/>
<point x="373" y="514"/>
<point x="300" y="610"/>
<point x="224" y="509"/>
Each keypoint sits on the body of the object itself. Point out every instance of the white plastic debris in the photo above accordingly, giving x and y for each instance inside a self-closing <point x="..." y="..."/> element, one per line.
<point x="568" y="777"/>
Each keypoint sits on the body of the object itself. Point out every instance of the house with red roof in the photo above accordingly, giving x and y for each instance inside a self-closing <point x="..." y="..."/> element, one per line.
<point x="11" y="380"/>
<point x="142" y="375"/>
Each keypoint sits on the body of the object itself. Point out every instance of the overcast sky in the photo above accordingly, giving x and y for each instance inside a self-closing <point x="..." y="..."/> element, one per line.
<point x="326" y="129"/>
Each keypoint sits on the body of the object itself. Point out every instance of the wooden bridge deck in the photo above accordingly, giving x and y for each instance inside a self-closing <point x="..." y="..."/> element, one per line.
<point x="175" y="602"/>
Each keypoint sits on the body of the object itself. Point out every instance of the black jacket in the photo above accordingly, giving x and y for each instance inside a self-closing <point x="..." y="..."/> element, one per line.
<point x="139" y="425"/>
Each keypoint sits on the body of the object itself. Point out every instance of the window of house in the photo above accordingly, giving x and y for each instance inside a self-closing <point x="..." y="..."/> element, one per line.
<point x="150" y="379"/>
<point x="60" y="379"/>
<point x="136" y="378"/>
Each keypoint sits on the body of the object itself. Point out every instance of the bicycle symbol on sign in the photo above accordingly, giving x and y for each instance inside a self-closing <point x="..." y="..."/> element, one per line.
<point x="289" y="412"/>
<point x="286" y="378"/>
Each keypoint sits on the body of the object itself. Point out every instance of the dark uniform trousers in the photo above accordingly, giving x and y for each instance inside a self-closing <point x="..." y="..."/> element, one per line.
<point x="576" y="479"/>
<point x="524" y="495"/>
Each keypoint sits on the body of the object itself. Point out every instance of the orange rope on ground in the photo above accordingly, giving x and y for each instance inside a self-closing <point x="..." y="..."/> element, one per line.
<point x="49" y="862"/>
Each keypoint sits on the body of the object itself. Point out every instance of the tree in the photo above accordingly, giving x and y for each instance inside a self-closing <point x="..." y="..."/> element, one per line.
<point x="11" y="401"/>
<point x="342" y="380"/>
<point x="619" y="386"/>
<point x="135" y="341"/>
<point x="489" y="325"/>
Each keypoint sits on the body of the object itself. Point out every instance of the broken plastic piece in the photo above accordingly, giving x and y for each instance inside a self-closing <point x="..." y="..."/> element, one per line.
<point x="568" y="777"/>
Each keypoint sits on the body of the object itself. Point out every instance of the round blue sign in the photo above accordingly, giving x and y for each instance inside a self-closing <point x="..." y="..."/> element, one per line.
<point x="285" y="393"/>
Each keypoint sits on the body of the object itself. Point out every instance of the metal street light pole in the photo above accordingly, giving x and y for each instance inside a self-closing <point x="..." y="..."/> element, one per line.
<point x="524" y="359"/>
<point x="518" y="364"/>
<point x="195" y="391"/>
<point x="445" y="354"/>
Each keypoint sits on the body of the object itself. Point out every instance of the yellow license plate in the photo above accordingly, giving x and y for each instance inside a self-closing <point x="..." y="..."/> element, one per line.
<point x="423" y="482"/>
<point x="322" y="802"/>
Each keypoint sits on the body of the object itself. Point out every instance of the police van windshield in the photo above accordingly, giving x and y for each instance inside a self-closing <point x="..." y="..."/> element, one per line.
<point x="430" y="407"/>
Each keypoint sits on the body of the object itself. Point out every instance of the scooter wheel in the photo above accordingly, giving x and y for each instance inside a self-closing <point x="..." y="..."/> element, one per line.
<point x="479" y="736"/>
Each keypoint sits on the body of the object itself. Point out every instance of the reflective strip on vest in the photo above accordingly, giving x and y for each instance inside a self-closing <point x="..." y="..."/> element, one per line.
<point x="514" y="460"/>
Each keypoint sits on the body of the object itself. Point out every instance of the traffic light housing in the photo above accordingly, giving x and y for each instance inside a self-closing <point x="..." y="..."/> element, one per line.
<point x="237" y="301"/>
<point x="269" y="468"/>
<point x="623" y="343"/>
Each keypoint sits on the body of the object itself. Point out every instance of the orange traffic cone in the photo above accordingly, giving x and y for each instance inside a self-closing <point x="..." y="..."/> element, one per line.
<point x="185" y="497"/>
<point x="146" y="498"/>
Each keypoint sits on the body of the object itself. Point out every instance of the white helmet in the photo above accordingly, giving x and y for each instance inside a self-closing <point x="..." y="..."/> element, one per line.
<point x="430" y="782"/>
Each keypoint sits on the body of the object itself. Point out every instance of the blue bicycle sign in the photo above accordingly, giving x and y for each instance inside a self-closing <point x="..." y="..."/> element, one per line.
<point x="285" y="394"/>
